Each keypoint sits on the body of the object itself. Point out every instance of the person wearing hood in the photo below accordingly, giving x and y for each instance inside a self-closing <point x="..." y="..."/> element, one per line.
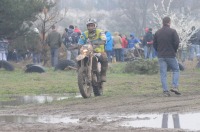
<point x="70" y="39"/>
<point x="109" y="45"/>
<point x="132" y="41"/>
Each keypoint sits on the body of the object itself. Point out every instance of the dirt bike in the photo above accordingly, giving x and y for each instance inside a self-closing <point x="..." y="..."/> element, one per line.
<point x="133" y="54"/>
<point x="89" y="71"/>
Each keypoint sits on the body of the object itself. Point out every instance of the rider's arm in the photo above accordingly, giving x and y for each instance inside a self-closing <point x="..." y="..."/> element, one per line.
<point x="99" y="42"/>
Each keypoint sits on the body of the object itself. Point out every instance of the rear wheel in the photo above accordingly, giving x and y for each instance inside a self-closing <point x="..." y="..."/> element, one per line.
<point x="84" y="85"/>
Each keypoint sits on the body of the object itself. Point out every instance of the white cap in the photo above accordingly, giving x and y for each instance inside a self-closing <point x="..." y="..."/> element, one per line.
<point x="36" y="30"/>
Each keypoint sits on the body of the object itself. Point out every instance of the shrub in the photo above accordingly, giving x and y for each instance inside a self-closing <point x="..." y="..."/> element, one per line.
<point x="142" y="66"/>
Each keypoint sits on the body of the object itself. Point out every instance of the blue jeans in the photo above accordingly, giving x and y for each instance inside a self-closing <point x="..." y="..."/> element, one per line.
<point x="150" y="51"/>
<point x="173" y="64"/>
<point x="183" y="55"/>
<point x="54" y="56"/>
<point x="154" y="53"/>
<point x="122" y="54"/>
<point x="72" y="54"/>
<point x="194" y="51"/>
<point x="3" y="55"/>
<point x="145" y="51"/>
<point x="109" y="55"/>
<point x="36" y="58"/>
<point x="118" y="54"/>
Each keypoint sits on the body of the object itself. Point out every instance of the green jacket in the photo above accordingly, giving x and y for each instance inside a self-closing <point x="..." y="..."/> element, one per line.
<point x="54" y="39"/>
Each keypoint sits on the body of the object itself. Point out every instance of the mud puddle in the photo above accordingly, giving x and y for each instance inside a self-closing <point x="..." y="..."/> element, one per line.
<point x="36" y="119"/>
<point x="41" y="99"/>
<point x="186" y="121"/>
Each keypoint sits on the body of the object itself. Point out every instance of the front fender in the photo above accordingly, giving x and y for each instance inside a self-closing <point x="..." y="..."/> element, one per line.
<point x="80" y="57"/>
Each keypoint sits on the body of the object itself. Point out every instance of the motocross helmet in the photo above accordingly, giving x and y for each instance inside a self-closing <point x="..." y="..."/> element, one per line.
<point x="91" y="25"/>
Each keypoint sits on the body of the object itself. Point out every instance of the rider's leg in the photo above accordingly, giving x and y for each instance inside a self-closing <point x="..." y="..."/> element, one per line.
<point x="104" y="66"/>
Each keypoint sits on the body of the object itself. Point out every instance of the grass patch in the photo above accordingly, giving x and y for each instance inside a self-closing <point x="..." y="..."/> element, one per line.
<point x="118" y="82"/>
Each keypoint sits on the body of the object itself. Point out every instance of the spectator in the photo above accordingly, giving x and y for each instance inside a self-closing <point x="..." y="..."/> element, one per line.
<point x="54" y="41"/>
<point x="117" y="46"/>
<point x="166" y="43"/>
<point x="36" y="47"/>
<point x="149" y="39"/>
<point x="15" y="56"/>
<point x="132" y="41"/>
<point x="194" y="48"/>
<point x="109" y="45"/>
<point x="77" y="30"/>
<point x="71" y="39"/>
<point x="144" y="43"/>
<point x="3" y="49"/>
<point x="148" y="44"/>
<point x="124" y="46"/>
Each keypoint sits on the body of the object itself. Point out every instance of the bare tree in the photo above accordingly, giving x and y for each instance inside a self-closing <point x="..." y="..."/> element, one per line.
<point x="182" y="22"/>
<point x="45" y="20"/>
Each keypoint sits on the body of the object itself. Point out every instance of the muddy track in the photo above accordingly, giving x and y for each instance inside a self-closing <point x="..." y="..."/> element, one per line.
<point x="87" y="109"/>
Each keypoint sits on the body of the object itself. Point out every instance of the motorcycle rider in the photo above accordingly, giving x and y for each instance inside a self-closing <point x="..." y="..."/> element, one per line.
<point x="96" y="37"/>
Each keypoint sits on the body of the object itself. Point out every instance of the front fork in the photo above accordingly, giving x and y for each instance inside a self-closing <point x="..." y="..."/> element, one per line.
<point x="90" y="68"/>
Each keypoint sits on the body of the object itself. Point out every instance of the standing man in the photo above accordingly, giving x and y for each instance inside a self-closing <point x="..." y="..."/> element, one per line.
<point x="148" y="44"/>
<point x="54" y="41"/>
<point x="36" y="46"/>
<point x="166" y="43"/>
<point x="144" y="43"/>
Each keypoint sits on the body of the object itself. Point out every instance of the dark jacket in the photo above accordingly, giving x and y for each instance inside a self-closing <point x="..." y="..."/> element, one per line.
<point x="148" y="37"/>
<point x="54" y="39"/>
<point x="195" y="38"/>
<point x="166" y="42"/>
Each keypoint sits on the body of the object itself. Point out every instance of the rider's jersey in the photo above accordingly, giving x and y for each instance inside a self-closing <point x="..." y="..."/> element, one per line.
<point x="99" y="35"/>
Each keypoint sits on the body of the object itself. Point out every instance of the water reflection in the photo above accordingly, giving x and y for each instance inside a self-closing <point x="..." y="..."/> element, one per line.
<point x="175" y="118"/>
<point x="188" y="121"/>
<point x="23" y="100"/>
<point x="36" y="119"/>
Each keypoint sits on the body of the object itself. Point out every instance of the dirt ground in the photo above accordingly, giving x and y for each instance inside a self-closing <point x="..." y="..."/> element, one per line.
<point x="91" y="112"/>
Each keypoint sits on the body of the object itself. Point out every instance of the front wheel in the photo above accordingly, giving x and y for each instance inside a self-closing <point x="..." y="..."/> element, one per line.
<point x="84" y="85"/>
<point x="97" y="85"/>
